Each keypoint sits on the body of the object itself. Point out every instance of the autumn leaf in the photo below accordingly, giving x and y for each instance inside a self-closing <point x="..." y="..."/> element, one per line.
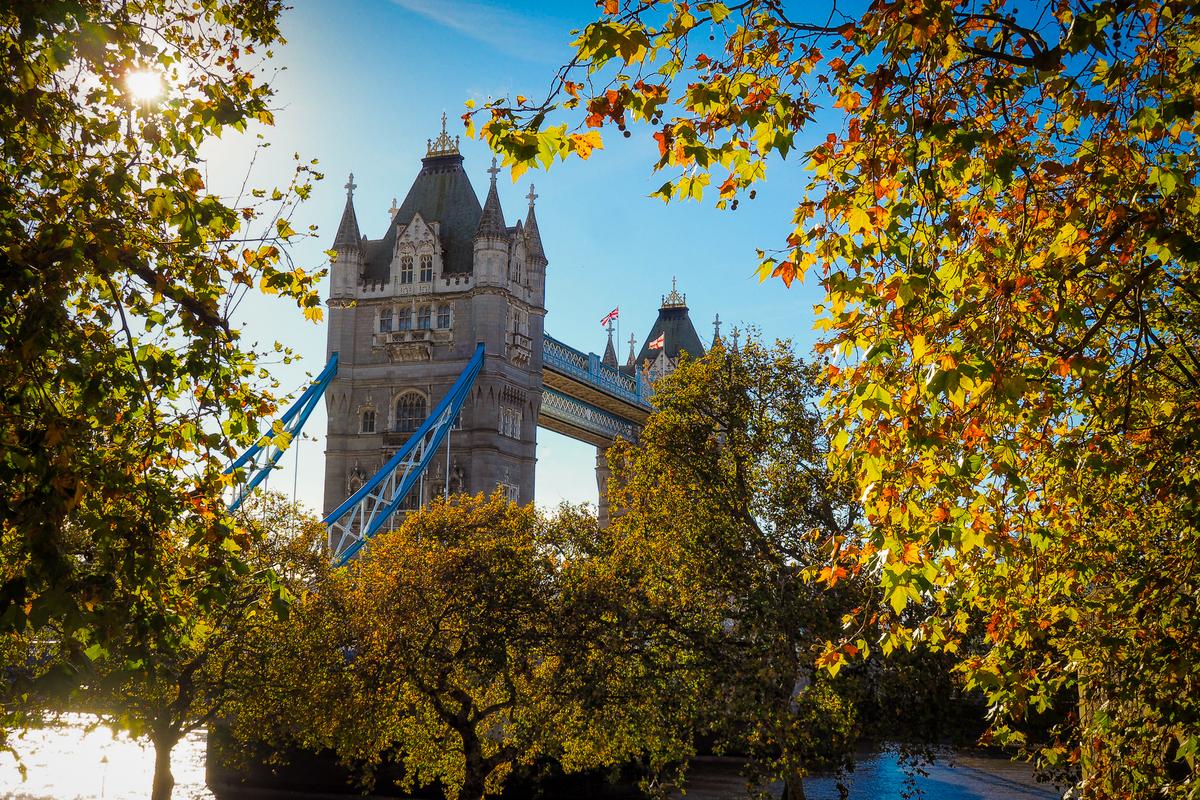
<point x="584" y="143"/>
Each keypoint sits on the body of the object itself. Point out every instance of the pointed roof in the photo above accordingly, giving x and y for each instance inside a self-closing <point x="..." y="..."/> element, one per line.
<point x="348" y="236"/>
<point x="441" y="193"/>
<point x="630" y="361"/>
<point x="533" y="237"/>
<point x="610" y="353"/>
<point x="674" y="322"/>
<point x="491" y="221"/>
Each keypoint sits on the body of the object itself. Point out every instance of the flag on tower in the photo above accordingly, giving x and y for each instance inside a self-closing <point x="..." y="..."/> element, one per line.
<point x="610" y="316"/>
<point x="659" y="343"/>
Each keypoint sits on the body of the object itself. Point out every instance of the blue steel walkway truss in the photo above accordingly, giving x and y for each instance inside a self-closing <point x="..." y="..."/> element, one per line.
<point x="582" y="398"/>
<point x="260" y="459"/>
<point x="364" y="514"/>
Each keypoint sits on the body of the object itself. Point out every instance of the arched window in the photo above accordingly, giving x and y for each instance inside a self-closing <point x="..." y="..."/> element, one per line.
<point x="426" y="268"/>
<point x="385" y="320"/>
<point x="443" y="320"/>
<point x="423" y="318"/>
<point x="404" y="320"/>
<point x="406" y="269"/>
<point x="368" y="421"/>
<point x="410" y="412"/>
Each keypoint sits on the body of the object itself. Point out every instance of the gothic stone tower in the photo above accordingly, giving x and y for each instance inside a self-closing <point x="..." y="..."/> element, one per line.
<point x="405" y="314"/>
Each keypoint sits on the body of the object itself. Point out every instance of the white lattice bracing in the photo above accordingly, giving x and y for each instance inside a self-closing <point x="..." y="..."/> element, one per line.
<point x="371" y="508"/>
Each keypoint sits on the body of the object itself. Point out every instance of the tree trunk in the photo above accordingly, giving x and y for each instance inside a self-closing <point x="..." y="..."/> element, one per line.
<point x="164" y="781"/>
<point x="793" y="787"/>
<point x="472" y="788"/>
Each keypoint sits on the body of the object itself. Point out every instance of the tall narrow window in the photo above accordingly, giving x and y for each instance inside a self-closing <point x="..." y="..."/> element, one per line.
<point x="368" y="421"/>
<point x="385" y="320"/>
<point x="410" y="412"/>
<point x="443" y="316"/>
<point x="423" y="318"/>
<point x="426" y="268"/>
<point x="406" y="269"/>
<point x="404" y="320"/>
<point x="510" y="423"/>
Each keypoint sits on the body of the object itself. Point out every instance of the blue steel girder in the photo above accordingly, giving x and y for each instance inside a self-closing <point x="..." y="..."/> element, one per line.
<point x="262" y="457"/>
<point x="588" y="400"/>
<point x="352" y="524"/>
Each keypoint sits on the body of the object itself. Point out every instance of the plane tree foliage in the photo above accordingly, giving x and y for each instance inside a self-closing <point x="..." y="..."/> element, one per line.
<point x="475" y="642"/>
<point x="177" y="669"/>
<point x="732" y="532"/>
<point x="1001" y="203"/>
<point x="124" y="384"/>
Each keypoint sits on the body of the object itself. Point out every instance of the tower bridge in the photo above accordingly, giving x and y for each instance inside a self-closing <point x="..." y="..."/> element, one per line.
<point x="441" y="369"/>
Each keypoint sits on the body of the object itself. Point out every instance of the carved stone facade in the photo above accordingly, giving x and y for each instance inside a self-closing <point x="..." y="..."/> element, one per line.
<point x="405" y="314"/>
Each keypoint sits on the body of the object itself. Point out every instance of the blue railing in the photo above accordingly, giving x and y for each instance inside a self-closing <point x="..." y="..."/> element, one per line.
<point x="588" y="368"/>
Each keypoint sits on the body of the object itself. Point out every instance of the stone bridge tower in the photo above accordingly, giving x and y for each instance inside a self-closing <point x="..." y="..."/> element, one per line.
<point x="405" y="313"/>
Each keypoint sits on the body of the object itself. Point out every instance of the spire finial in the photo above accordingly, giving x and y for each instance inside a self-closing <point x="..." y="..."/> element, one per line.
<point x="717" y="328"/>
<point x="674" y="299"/>
<point x="532" y="195"/>
<point x="443" y="145"/>
<point x="350" y="187"/>
<point x="494" y="171"/>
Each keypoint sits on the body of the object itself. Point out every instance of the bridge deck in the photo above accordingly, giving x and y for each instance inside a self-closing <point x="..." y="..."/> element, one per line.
<point x="588" y="400"/>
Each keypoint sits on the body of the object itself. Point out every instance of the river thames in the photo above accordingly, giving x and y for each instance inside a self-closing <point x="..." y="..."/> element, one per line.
<point x="69" y="761"/>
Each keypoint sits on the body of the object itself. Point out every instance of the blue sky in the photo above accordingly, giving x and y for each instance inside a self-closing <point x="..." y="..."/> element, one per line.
<point x="364" y="85"/>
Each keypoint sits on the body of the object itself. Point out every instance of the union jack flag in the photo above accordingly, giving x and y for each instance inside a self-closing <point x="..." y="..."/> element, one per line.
<point x="610" y="316"/>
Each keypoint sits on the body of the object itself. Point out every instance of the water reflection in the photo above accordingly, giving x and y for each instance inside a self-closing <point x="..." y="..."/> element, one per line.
<point x="71" y="762"/>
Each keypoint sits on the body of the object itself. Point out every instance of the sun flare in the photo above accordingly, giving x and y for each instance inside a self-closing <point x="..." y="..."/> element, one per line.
<point x="144" y="86"/>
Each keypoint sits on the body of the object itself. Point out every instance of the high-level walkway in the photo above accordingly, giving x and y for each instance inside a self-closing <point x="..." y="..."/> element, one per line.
<point x="588" y="400"/>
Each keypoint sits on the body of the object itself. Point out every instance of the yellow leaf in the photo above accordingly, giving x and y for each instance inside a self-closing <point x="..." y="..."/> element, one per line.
<point x="584" y="143"/>
<point x="858" y="219"/>
<point x="919" y="347"/>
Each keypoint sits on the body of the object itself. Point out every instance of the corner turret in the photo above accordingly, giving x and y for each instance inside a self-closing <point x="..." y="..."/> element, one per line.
<point x="349" y="248"/>
<point x="491" y="237"/>
<point x="610" y="352"/>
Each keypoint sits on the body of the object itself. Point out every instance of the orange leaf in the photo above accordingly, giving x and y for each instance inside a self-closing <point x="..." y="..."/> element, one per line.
<point x="787" y="271"/>
<point x="661" y="138"/>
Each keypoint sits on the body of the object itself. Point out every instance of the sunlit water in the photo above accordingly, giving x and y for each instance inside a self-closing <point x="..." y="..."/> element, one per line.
<point x="70" y="762"/>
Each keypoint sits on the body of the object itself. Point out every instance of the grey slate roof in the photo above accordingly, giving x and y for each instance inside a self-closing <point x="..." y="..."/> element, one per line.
<point x="610" y="354"/>
<point x="491" y="222"/>
<point x="348" y="236"/>
<point x="681" y="334"/>
<point x="441" y="193"/>
<point x="533" y="237"/>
